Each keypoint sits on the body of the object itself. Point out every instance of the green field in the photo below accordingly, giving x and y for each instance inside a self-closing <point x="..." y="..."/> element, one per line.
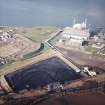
<point x="3" y="66"/>
<point x="37" y="34"/>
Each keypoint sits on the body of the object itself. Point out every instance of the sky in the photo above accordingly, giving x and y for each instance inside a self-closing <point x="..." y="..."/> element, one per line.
<point x="51" y="12"/>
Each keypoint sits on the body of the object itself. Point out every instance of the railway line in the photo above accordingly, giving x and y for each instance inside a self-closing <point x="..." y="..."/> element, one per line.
<point x="70" y="62"/>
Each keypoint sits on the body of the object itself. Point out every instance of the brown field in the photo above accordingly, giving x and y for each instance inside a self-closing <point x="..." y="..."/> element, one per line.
<point x="88" y="98"/>
<point x="8" y="50"/>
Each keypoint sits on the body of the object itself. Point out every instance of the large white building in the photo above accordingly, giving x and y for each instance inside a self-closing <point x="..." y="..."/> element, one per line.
<point x="76" y="34"/>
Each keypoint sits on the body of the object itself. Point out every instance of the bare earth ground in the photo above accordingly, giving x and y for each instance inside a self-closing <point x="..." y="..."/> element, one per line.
<point x="88" y="98"/>
<point x="84" y="59"/>
<point x="21" y="45"/>
<point x="8" y="50"/>
<point x="77" y="99"/>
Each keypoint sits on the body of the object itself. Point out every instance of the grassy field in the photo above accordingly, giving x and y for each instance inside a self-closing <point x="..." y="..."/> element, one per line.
<point x="3" y="66"/>
<point x="37" y="34"/>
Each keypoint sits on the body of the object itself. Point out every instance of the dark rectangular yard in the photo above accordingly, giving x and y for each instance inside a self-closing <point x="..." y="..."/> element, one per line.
<point x="40" y="74"/>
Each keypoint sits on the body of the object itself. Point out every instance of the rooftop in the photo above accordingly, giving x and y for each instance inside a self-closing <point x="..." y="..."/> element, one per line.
<point x="73" y="31"/>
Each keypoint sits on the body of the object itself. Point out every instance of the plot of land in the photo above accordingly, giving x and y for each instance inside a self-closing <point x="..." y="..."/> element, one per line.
<point x="39" y="34"/>
<point x="42" y="73"/>
<point x="8" y="50"/>
<point x="84" y="59"/>
<point x="88" y="98"/>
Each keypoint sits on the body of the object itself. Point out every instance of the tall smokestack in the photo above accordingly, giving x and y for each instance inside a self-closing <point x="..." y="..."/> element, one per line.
<point x="86" y="22"/>
<point x="74" y="21"/>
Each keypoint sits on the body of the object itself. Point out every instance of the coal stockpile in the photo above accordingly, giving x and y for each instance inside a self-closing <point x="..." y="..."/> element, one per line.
<point x="41" y="74"/>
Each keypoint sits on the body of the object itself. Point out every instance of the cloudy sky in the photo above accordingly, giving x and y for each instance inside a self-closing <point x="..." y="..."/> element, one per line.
<point x="51" y="12"/>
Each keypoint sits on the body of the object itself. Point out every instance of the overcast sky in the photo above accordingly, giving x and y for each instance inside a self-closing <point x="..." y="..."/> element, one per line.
<point x="51" y="12"/>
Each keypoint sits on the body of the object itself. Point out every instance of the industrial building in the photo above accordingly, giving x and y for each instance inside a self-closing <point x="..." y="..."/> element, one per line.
<point x="76" y="34"/>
